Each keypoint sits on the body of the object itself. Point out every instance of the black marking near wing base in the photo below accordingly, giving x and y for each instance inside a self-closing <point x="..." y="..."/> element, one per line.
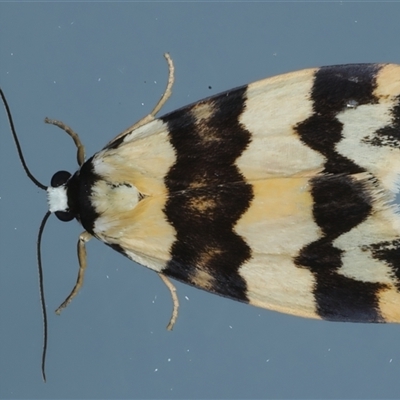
<point x="79" y="195"/>
<point x="118" y="248"/>
<point x="340" y="195"/>
<point x="207" y="196"/>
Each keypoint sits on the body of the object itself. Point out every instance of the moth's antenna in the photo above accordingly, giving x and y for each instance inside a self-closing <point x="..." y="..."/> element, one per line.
<point x="20" y="154"/>
<point x="39" y="240"/>
<point x="41" y="290"/>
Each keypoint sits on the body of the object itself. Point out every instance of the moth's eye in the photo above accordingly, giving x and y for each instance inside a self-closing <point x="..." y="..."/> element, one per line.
<point x="64" y="216"/>
<point x="59" y="178"/>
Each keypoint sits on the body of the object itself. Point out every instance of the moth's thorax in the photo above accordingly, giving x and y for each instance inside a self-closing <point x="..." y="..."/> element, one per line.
<point x="113" y="197"/>
<point x="94" y="195"/>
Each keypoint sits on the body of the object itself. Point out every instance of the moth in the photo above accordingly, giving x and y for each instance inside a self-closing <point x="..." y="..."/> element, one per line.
<point x="280" y="193"/>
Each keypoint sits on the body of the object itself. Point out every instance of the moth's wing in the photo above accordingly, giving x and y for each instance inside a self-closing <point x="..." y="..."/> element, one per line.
<point x="281" y="237"/>
<point x="277" y="193"/>
<point x="268" y="90"/>
<point x="275" y="111"/>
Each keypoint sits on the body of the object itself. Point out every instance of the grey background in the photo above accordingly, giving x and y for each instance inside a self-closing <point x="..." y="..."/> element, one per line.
<point x="99" y="68"/>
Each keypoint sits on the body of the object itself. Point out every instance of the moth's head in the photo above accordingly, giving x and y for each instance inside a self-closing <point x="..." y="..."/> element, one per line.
<point x="58" y="198"/>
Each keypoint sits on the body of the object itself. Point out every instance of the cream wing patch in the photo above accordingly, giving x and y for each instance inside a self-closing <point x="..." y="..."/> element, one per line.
<point x="272" y="110"/>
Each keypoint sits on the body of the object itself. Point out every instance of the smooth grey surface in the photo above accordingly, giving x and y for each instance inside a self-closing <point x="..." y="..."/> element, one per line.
<point x="99" y="68"/>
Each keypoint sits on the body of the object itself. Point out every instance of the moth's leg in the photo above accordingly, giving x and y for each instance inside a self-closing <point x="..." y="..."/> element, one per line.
<point x="175" y="300"/>
<point x="159" y="105"/>
<point x="80" y="156"/>
<point x="83" y="238"/>
<point x="168" y="91"/>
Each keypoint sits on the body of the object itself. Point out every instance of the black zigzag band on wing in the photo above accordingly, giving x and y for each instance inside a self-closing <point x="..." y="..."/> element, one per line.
<point x="207" y="196"/>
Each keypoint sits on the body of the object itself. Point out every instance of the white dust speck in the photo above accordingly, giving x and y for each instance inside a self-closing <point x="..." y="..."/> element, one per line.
<point x="156" y="370"/>
<point x="352" y="103"/>
<point x="187" y="298"/>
